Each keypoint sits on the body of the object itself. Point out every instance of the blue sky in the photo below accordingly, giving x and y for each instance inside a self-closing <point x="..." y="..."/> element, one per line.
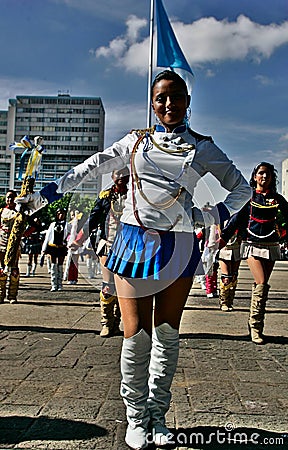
<point x="238" y="51"/>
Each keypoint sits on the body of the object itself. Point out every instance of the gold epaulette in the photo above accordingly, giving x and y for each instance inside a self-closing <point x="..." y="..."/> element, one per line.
<point x="104" y="194"/>
<point x="142" y="131"/>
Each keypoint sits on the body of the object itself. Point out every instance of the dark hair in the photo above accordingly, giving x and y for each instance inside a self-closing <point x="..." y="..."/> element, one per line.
<point x="14" y="193"/>
<point x="169" y="75"/>
<point x="273" y="171"/>
<point x="61" y="211"/>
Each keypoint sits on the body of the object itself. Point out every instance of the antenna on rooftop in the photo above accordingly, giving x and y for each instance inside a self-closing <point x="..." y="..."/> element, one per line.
<point x="62" y="93"/>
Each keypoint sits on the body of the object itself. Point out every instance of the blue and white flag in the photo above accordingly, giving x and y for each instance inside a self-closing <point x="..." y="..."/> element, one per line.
<point x="169" y="53"/>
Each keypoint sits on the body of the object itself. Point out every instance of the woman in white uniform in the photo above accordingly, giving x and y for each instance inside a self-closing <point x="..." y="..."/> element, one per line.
<point x="155" y="253"/>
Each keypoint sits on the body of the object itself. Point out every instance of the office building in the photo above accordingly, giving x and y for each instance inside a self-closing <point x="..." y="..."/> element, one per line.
<point x="72" y="128"/>
<point x="5" y="159"/>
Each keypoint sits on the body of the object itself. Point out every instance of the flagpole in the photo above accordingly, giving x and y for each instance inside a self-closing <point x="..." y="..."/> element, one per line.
<point x="150" y="68"/>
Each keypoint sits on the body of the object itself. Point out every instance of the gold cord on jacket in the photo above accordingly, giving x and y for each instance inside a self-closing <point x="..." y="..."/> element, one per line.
<point x="164" y="205"/>
<point x="257" y="205"/>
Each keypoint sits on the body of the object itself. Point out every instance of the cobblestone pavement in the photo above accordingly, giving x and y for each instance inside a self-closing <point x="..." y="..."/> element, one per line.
<point x="60" y="379"/>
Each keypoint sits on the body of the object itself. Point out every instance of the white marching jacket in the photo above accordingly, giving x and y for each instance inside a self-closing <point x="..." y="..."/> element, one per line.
<point x="162" y="165"/>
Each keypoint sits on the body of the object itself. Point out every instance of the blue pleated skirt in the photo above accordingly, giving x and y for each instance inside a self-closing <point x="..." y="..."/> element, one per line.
<point x="137" y="253"/>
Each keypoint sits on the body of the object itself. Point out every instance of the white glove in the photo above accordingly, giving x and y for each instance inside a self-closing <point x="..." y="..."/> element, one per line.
<point x="31" y="202"/>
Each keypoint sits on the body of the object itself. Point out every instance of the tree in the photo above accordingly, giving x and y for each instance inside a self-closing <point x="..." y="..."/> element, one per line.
<point x="75" y="201"/>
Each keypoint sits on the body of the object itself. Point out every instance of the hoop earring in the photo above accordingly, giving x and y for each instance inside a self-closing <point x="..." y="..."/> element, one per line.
<point x="157" y="120"/>
<point x="187" y="116"/>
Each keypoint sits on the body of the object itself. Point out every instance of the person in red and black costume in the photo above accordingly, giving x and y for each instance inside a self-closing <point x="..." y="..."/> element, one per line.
<point x="257" y="223"/>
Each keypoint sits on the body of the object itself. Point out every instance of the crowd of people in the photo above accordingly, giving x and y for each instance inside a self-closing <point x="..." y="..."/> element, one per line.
<point x="149" y="250"/>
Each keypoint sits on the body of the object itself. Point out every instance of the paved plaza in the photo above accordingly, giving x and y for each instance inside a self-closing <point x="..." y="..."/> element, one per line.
<point x="60" y="380"/>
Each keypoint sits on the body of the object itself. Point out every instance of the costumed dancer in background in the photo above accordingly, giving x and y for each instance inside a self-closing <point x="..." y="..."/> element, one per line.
<point x="33" y="241"/>
<point x="106" y="215"/>
<point x="155" y="252"/>
<point x="229" y="261"/>
<point x="55" y="245"/>
<point x="257" y="223"/>
<point x="71" y="267"/>
<point x="210" y="260"/>
<point x="200" y="278"/>
<point x="7" y="218"/>
<point x="14" y="222"/>
<point x="92" y="260"/>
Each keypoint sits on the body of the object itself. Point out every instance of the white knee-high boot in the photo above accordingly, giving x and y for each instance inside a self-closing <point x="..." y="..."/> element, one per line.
<point x="28" y="271"/>
<point x="163" y="363"/>
<point x="54" y="277"/>
<point x="33" y="272"/>
<point x="48" y="263"/>
<point x="90" y="268"/>
<point x="135" y="358"/>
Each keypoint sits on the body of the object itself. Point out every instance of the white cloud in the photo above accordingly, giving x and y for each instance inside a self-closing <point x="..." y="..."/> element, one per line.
<point x="125" y="50"/>
<point x="265" y="81"/>
<point x="213" y="40"/>
<point x="284" y="138"/>
<point x="205" y="40"/>
<point x="134" y="26"/>
<point x="210" y="73"/>
<point x="136" y="57"/>
<point x="116" y="49"/>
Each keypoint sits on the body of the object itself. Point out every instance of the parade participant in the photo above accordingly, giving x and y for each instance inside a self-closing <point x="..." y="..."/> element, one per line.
<point x="55" y="245"/>
<point x="210" y="260"/>
<point x="88" y="252"/>
<point x="33" y="241"/>
<point x="229" y="261"/>
<point x="106" y="215"/>
<point x="155" y="252"/>
<point x="257" y="223"/>
<point x="71" y="271"/>
<point x="7" y="217"/>
<point x="200" y="277"/>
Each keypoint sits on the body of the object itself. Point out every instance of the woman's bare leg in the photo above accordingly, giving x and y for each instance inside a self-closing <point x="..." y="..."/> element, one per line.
<point x="225" y="268"/>
<point x="170" y="303"/>
<point x="107" y="275"/>
<point x="137" y="312"/>
<point x="261" y="269"/>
